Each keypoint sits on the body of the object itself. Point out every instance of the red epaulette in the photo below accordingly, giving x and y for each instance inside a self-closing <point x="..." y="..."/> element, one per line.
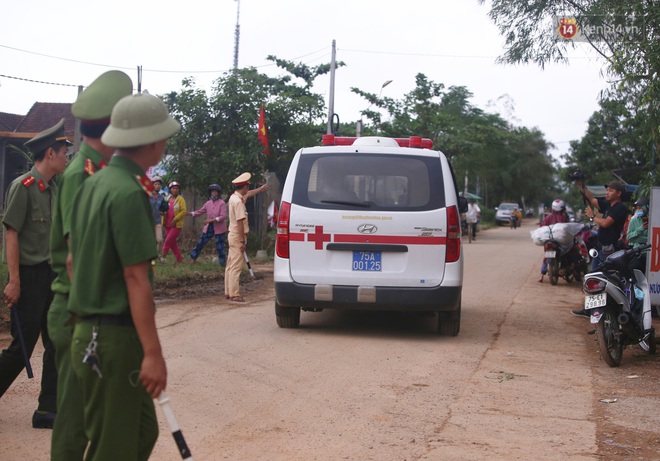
<point x="28" y="181"/>
<point x="146" y="184"/>
<point x="90" y="169"/>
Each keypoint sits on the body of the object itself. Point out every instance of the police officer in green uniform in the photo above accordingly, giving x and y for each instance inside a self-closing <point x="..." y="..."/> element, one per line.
<point x="27" y="221"/>
<point x="93" y="108"/>
<point x="115" y="350"/>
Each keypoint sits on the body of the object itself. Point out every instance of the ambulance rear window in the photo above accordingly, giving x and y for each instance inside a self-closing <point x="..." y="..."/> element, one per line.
<point x="375" y="182"/>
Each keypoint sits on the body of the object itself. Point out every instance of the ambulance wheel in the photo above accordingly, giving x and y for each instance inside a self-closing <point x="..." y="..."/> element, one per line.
<point x="449" y="323"/>
<point x="287" y="317"/>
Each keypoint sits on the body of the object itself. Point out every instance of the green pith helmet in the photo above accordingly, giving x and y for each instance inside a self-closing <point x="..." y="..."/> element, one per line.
<point x="98" y="99"/>
<point x="138" y="120"/>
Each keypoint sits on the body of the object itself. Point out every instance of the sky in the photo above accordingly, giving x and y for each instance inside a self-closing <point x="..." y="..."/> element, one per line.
<point x="48" y="49"/>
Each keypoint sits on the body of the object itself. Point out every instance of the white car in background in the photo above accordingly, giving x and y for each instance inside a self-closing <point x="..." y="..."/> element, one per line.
<point x="503" y="212"/>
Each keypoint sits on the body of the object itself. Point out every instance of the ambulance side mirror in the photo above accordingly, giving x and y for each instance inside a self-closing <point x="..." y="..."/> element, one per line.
<point x="462" y="205"/>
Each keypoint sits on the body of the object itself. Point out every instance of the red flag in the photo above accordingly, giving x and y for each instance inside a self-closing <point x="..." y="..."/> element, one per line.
<point x="263" y="133"/>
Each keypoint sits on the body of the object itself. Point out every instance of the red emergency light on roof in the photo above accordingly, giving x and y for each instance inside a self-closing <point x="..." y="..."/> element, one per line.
<point x="413" y="141"/>
<point x="332" y="140"/>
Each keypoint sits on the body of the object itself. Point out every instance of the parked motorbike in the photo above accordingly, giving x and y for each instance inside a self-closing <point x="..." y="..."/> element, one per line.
<point x="618" y="299"/>
<point x="570" y="263"/>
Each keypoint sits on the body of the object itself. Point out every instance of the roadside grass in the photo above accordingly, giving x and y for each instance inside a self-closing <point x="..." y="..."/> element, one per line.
<point x="168" y="270"/>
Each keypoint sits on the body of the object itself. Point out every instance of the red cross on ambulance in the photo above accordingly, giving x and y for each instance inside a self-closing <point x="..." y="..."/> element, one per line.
<point x="319" y="238"/>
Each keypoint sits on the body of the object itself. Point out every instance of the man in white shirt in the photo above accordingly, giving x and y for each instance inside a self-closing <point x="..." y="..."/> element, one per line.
<point x="472" y="217"/>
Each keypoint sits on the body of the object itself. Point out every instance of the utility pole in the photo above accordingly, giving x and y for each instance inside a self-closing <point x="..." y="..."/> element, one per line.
<point x="237" y="34"/>
<point x="139" y="79"/>
<point x="331" y="101"/>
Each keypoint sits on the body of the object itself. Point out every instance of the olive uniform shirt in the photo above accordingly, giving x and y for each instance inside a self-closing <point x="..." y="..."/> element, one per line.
<point x="85" y="164"/>
<point x="111" y="228"/>
<point x="28" y="210"/>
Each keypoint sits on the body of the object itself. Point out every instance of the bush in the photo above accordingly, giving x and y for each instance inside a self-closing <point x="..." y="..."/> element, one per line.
<point x="487" y="216"/>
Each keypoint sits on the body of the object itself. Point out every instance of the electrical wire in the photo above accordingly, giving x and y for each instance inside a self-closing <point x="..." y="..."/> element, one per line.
<point x="193" y="72"/>
<point x="38" y="81"/>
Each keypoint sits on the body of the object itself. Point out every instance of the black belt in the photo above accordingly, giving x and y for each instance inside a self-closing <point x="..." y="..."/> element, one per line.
<point x="125" y="320"/>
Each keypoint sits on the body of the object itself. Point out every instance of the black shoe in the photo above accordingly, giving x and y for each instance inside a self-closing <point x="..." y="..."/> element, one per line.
<point x="581" y="313"/>
<point x="43" y="419"/>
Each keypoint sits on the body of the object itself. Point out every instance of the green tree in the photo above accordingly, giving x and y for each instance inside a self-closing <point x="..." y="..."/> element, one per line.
<point x="219" y="140"/>
<point x="485" y="147"/>
<point x="613" y="141"/>
<point x="624" y="32"/>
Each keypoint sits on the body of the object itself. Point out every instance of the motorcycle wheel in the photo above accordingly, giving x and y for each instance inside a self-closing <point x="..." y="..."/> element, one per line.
<point x="553" y="271"/>
<point x="608" y="334"/>
<point x="582" y="269"/>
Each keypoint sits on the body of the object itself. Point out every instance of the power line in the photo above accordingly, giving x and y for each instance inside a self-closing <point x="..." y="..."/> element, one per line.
<point x="450" y="56"/>
<point x="148" y="70"/>
<point x="38" y="81"/>
<point x="188" y="72"/>
<point x="428" y="55"/>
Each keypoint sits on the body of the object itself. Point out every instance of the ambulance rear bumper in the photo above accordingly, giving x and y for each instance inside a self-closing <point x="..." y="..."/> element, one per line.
<point x="292" y="294"/>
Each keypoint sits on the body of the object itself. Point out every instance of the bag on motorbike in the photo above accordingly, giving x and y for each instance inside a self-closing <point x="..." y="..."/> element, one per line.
<point x="564" y="233"/>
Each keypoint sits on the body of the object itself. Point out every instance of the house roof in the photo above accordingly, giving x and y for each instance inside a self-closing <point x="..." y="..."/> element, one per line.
<point x="43" y="115"/>
<point x="9" y="122"/>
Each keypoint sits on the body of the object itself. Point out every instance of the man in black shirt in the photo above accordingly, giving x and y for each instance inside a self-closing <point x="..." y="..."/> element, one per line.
<point x="610" y="223"/>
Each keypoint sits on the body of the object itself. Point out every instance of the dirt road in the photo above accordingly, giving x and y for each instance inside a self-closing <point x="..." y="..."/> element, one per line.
<point x="523" y="380"/>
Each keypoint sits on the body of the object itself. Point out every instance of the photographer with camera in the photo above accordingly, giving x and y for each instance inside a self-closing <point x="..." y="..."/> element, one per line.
<point x="610" y="224"/>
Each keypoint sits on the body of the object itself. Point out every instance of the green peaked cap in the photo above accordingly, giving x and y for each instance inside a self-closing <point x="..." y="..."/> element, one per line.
<point x="47" y="138"/>
<point x="98" y="99"/>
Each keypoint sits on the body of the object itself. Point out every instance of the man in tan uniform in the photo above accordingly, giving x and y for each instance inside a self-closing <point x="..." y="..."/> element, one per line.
<point x="238" y="230"/>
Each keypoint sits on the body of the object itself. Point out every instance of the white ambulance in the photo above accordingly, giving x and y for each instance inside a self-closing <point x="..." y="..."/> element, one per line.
<point x="370" y="223"/>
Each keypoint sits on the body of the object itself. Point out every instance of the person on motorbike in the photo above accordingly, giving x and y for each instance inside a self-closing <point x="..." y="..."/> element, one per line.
<point x="610" y="223"/>
<point x="558" y="215"/>
<point x="515" y="218"/>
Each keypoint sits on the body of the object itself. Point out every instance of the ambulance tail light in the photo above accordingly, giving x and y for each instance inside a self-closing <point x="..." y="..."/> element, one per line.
<point x="453" y="235"/>
<point x="282" y="239"/>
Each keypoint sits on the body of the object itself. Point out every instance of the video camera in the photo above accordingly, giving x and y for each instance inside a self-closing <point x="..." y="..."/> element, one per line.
<point x="577" y="175"/>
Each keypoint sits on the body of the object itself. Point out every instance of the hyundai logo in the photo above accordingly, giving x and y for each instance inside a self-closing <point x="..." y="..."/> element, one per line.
<point x="367" y="229"/>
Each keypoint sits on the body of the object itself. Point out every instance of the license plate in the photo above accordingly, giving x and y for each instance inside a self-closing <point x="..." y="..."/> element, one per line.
<point x="369" y="261"/>
<point x="594" y="301"/>
<point x="550" y="254"/>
